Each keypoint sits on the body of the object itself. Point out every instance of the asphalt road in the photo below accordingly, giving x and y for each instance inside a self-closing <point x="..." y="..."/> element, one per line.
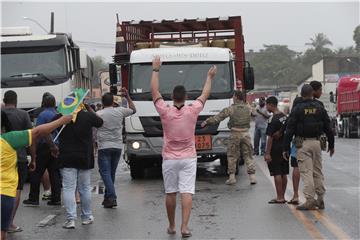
<point x="219" y="211"/>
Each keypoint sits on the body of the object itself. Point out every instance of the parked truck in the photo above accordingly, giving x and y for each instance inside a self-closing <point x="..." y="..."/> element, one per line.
<point x="348" y="106"/>
<point x="34" y="64"/>
<point x="188" y="48"/>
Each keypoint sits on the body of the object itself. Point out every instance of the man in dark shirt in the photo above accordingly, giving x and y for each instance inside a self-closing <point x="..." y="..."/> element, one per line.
<point x="20" y="120"/>
<point x="45" y="160"/>
<point x="307" y="122"/>
<point x="76" y="156"/>
<point x="278" y="166"/>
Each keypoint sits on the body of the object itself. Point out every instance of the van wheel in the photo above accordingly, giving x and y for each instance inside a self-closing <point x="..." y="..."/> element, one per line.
<point x="137" y="170"/>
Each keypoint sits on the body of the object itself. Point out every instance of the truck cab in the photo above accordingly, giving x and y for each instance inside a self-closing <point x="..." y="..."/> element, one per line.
<point x="187" y="50"/>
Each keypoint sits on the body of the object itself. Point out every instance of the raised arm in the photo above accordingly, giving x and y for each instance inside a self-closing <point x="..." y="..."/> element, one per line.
<point x="207" y="86"/>
<point x="156" y="64"/>
<point x="129" y="100"/>
<point x="45" y="129"/>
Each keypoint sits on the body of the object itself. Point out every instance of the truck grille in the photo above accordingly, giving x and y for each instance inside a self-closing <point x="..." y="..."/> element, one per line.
<point x="153" y="128"/>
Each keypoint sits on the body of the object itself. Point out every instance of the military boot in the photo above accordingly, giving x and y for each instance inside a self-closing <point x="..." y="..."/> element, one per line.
<point x="320" y="203"/>
<point x="252" y="179"/>
<point x="231" y="180"/>
<point x="308" y="205"/>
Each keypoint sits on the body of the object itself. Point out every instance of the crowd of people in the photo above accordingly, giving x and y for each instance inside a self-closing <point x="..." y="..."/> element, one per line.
<point x="70" y="159"/>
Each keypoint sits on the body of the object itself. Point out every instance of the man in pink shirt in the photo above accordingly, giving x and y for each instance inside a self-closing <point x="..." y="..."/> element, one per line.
<point x="179" y="152"/>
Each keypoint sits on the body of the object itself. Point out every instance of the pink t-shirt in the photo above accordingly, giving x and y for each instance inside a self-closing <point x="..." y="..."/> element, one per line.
<point x="179" y="129"/>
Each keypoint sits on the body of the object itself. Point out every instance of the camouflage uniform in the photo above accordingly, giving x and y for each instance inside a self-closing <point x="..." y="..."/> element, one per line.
<point x="239" y="139"/>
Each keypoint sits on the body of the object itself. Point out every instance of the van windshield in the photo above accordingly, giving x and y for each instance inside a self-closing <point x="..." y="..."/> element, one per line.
<point x="191" y="75"/>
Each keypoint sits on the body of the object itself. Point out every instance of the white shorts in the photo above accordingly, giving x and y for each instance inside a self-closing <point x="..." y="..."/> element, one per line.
<point x="179" y="175"/>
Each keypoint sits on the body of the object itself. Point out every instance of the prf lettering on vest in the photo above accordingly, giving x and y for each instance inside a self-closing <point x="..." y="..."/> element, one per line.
<point x="310" y="111"/>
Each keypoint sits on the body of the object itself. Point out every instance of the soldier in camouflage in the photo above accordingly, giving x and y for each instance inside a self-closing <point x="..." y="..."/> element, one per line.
<point x="239" y="140"/>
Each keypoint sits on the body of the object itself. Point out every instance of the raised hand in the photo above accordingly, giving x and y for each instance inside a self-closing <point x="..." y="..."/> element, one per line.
<point x="212" y="72"/>
<point x="156" y="64"/>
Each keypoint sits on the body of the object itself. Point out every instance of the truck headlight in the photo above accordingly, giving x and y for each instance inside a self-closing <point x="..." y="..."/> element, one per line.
<point x="136" y="145"/>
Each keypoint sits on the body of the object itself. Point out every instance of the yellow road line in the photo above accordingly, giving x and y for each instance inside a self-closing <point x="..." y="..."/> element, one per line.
<point x="309" y="226"/>
<point x="319" y="215"/>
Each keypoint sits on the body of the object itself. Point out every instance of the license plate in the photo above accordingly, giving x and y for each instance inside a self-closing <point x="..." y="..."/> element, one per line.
<point x="203" y="142"/>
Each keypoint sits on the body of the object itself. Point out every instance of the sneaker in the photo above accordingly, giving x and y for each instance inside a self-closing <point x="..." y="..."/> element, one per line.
<point x="69" y="224"/>
<point x="108" y="203"/>
<point x="88" y="221"/>
<point x="252" y="179"/>
<point x="54" y="203"/>
<point x="114" y="203"/>
<point x="29" y="202"/>
<point x="46" y="196"/>
<point x="231" y="180"/>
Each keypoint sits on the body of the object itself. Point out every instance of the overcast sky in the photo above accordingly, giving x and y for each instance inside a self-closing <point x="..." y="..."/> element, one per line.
<point x="292" y="24"/>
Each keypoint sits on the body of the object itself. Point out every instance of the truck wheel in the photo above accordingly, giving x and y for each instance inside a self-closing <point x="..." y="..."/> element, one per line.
<point x="137" y="170"/>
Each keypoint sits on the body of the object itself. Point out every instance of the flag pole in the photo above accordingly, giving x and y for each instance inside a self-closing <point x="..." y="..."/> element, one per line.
<point x="63" y="126"/>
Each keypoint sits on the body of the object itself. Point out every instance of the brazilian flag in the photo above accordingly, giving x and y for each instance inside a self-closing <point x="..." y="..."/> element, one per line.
<point x="71" y="102"/>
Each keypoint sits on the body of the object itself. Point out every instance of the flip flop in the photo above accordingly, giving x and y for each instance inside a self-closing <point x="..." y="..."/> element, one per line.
<point x="275" y="201"/>
<point x="186" y="235"/>
<point x="293" y="202"/>
<point x="14" y="230"/>
<point x="171" y="232"/>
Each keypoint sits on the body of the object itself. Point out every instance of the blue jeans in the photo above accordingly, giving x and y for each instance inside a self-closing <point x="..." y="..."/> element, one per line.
<point x="7" y="207"/>
<point x="108" y="160"/>
<point x="259" y="134"/>
<point x="79" y="179"/>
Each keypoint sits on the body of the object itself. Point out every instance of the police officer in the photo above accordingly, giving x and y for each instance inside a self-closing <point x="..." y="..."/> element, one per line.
<point x="307" y="122"/>
<point x="239" y="139"/>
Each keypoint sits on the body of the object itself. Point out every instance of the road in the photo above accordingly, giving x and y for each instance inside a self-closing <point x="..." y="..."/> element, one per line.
<point x="219" y="211"/>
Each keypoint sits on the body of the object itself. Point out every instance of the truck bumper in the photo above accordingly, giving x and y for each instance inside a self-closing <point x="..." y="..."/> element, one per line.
<point x="149" y="149"/>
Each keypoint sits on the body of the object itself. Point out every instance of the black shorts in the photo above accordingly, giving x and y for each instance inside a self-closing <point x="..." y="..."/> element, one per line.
<point x="22" y="173"/>
<point x="294" y="162"/>
<point x="278" y="165"/>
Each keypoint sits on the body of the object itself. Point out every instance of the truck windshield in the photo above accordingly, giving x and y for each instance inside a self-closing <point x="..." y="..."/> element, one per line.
<point x="191" y="75"/>
<point x="32" y="67"/>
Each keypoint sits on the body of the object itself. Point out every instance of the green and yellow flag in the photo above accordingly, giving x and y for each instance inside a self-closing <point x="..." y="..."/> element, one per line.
<point x="72" y="103"/>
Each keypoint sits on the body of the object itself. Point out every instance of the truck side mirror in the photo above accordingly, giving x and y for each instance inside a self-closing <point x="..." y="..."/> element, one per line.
<point x="113" y="74"/>
<point x="249" y="78"/>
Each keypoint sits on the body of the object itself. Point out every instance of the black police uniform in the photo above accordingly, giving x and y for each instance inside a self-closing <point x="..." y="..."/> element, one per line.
<point x="309" y="120"/>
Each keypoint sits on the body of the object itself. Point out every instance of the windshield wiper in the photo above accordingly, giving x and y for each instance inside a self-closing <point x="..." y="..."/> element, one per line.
<point x="26" y="75"/>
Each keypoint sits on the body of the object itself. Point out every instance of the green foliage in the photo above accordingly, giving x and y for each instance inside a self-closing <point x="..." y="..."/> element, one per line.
<point x="278" y="65"/>
<point x="356" y="38"/>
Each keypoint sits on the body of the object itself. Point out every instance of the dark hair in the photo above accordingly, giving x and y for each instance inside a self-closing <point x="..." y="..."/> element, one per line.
<point x="316" y="85"/>
<point x="306" y="90"/>
<point x="107" y="99"/>
<point x="49" y="101"/>
<point x="272" y="100"/>
<point x="10" y="97"/>
<point x="5" y="122"/>
<point x="179" y="93"/>
<point x="239" y="95"/>
<point x="46" y="94"/>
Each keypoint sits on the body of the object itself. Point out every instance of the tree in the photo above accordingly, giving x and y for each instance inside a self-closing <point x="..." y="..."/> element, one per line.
<point x="99" y="65"/>
<point x="356" y="38"/>
<point x="318" y="49"/>
<point x="348" y="51"/>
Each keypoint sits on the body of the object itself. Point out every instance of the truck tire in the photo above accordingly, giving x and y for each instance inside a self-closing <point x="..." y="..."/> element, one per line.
<point x="137" y="170"/>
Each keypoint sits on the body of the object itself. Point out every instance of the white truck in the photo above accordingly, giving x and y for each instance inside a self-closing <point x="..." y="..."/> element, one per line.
<point x="34" y="64"/>
<point x="183" y="63"/>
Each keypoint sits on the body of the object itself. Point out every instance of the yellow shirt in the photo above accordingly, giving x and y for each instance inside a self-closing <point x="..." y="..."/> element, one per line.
<point x="9" y="142"/>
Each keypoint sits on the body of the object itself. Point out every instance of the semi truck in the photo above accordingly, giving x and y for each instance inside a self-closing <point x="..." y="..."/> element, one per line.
<point x="188" y="48"/>
<point x="348" y="106"/>
<point x="34" y="64"/>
